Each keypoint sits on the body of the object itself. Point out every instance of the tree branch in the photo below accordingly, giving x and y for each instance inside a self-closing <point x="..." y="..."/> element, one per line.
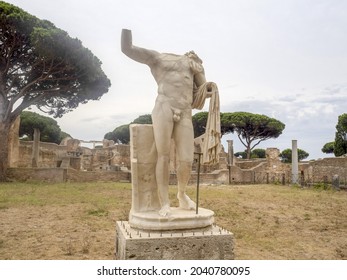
<point x="256" y="144"/>
<point x="25" y="104"/>
<point x="9" y="54"/>
<point x="243" y="143"/>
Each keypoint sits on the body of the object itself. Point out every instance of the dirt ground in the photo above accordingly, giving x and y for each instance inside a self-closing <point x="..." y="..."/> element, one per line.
<point x="77" y="221"/>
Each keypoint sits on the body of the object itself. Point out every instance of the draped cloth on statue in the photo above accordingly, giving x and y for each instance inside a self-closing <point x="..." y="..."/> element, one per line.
<point x="212" y="140"/>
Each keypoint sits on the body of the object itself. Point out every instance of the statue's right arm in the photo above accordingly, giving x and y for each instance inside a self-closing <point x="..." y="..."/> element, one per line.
<point x="138" y="54"/>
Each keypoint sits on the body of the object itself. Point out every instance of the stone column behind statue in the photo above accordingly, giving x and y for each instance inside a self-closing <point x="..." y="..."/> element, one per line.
<point x="143" y="155"/>
<point x="295" y="162"/>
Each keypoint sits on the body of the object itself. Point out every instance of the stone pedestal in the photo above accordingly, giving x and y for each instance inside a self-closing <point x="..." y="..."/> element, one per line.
<point x="210" y="243"/>
<point x="178" y="219"/>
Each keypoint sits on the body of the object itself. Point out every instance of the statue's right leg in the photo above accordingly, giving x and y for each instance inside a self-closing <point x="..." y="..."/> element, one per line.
<point x="162" y="127"/>
<point x="162" y="176"/>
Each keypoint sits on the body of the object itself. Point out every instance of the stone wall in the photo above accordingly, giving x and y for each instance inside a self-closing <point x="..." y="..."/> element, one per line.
<point x="110" y="158"/>
<point x="95" y="176"/>
<point x="60" y="175"/>
<point x="80" y="158"/>
<point x="50" y="175"/>
<point x="49" y="155"/>
<point x="249" y="163"/>
<point x="323" y="170"/>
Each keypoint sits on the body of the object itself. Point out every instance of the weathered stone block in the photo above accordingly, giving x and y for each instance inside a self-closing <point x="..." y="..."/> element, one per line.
<point x="143" y="156"/>
<point x="210" y="243"/>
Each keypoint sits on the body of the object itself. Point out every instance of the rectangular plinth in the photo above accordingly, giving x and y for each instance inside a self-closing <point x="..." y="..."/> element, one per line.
<point x="212" y="243"/>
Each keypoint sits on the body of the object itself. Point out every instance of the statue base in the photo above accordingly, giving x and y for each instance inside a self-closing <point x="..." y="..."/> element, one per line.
<point x="177" y="219"/>
<point x="209" y="243"/>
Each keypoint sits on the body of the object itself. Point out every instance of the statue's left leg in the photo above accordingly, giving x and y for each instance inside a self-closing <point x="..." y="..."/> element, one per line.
<point x="184" y="142"/>
<point x="183" y="175"/>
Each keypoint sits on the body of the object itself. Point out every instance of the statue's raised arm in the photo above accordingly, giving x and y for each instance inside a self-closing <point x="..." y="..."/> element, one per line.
<point x="136" y="53"/>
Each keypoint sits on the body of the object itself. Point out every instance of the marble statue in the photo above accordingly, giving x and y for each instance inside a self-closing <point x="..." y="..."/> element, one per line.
<point x="182" y="86"/>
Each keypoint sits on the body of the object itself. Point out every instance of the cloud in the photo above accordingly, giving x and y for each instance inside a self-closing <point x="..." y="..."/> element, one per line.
<point x="310" y="116"/>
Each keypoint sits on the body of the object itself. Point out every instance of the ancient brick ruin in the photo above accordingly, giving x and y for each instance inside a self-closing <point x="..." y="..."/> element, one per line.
<point x="70" y="161"/>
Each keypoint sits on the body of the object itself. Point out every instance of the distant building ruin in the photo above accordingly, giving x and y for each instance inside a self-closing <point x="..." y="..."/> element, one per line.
<point x="110" y="161"/>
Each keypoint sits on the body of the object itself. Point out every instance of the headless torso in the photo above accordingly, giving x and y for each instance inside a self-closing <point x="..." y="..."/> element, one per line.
<point x="176" y="76"/>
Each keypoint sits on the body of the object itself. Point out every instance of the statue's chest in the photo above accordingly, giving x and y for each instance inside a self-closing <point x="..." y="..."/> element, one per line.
<point x="175" y="63"/>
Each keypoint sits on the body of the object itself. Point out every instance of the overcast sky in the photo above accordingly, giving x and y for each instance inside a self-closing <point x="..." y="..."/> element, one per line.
<point x="286" y="59"/>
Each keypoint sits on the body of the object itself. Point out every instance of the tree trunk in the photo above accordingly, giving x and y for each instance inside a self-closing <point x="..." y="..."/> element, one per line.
<point x="248" y="152"/>
<point x="4" y="156"/>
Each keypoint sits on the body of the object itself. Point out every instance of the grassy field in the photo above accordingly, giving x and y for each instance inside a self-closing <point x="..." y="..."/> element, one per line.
<point x="77" y="220"/>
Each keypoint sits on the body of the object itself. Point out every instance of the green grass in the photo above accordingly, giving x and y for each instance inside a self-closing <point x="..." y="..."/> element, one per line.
<point x="77" y="220"/>
<point x="40" y="194"/>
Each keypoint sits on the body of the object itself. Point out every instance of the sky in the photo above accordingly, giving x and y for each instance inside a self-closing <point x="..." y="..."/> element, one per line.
<point x="286" y="59"/>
